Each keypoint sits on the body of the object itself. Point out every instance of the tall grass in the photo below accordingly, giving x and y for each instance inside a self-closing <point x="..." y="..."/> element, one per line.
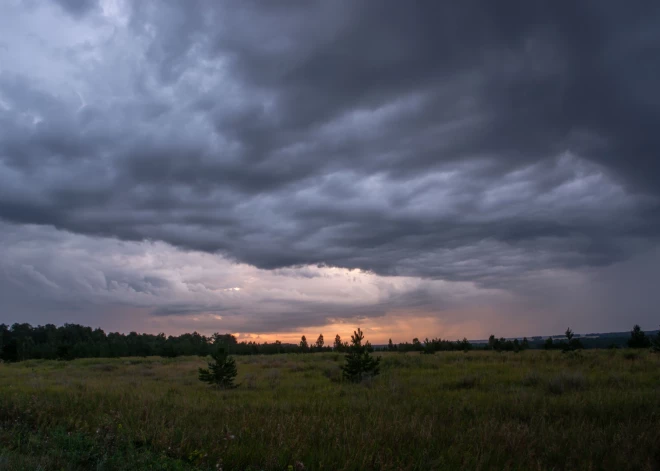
<point x="480" y="410"/>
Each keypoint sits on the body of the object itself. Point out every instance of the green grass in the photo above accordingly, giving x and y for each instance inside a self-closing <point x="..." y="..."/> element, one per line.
<point x="535" y="410"/>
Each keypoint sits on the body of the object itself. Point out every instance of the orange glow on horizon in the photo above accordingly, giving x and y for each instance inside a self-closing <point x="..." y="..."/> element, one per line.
<point x="378" y="331"/>
<point x="401" y="327"/>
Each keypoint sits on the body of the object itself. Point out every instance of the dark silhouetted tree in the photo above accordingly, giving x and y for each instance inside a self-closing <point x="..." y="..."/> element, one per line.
<point x="303" y="344"/>
<point x="359" y="362"/>
<point x="569" y="335"/>
<point x="221" y="371"/>
<point x="338" y="346"/>
<point x="572" y="343"/>
<point x="638" y="338"/>
<point x="320" y="342"/>
<point x="391" y="347"/>
<point x="491" y="342"/>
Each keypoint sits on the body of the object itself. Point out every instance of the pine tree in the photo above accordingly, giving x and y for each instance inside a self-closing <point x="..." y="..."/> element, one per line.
<point x="338" y="345"/>
<point x="492" y="341"/>
<point x="569" y="335"/>
<point x="320" y="342"/>
<point x="390" y="346"/>
<point x="304" y="346"/>
<point x="572" y="342"/>
<point x="638" y="338"/>
<point x="359" y="363"/>
<point x="221" y="371"/>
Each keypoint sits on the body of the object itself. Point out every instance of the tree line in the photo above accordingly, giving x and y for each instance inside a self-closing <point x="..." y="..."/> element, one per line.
<point x="23" y="341"/>
<point x="69" y="341"/>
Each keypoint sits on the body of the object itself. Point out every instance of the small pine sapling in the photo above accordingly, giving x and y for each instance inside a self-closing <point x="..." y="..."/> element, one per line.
<point x="221" y="371"/>
<point x="359" y="362"/>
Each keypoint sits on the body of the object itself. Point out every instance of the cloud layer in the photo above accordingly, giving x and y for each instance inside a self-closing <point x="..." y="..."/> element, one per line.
<point x="481" y="144"/>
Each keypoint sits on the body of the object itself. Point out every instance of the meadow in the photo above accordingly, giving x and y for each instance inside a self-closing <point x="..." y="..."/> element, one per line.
<point x="534" y="410"/>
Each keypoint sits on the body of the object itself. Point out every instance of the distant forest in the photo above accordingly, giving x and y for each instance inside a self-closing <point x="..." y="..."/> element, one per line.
<point x="23" y="341"/>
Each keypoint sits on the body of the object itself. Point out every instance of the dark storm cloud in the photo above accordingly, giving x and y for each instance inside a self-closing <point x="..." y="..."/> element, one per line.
<point x="77" y="8"/>
<point x="472" y="142"/>
<point x="178" y="310"/>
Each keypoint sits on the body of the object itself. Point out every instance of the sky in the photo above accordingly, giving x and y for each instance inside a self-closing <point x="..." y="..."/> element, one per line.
<point x="272" y="169"/>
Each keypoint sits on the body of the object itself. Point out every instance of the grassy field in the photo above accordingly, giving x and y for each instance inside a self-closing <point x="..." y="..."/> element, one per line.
<point x="534" y="410"/>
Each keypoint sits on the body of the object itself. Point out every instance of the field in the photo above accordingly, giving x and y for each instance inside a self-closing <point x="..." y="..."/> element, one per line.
<point x="534" y="410"/>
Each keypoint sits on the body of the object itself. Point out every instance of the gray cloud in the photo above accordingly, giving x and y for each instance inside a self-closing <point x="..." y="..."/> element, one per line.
<point x="77" y="8"/>
<point x="44" y="271"/>
<point x="474" y="143"/>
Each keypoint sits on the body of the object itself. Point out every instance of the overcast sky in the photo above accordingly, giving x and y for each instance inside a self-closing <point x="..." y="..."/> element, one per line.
<point x="420" y="168"/>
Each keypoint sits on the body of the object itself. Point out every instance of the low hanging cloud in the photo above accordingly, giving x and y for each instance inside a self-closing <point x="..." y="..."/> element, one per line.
<point x="482" y="144"/>
<point x="157" y="280"/>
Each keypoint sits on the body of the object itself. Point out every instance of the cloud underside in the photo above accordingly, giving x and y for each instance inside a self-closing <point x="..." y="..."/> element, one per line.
<point x="476" y="144"/>
<point x="52" y="276"/>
